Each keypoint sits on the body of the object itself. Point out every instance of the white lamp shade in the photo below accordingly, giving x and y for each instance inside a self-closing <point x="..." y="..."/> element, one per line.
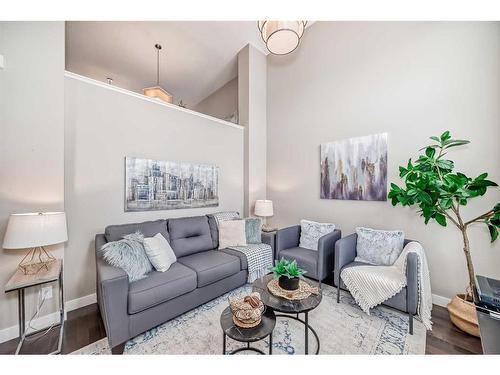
<point x="263" y="208"/>
<point x="281" y="37"/>
<point x="35" y="229"/>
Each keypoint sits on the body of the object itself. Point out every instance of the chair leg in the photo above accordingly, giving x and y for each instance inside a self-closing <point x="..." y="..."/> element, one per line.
<point x="118" y="349"/>
<point x="410" y="322"/>
<point x="338" y="293"/>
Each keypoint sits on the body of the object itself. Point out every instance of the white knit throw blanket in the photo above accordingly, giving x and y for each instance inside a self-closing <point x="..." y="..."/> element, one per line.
<point x="372" y="285"/>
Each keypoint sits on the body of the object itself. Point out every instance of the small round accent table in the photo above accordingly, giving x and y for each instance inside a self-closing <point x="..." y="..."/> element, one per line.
<point x="247" y="335"/>
<point x="290" y="309"/>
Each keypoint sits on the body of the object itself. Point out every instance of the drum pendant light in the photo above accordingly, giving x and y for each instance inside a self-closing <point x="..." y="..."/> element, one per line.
<point x="281" y="37"/>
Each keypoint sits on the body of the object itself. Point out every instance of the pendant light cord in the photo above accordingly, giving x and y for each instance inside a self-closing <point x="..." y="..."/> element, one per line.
<point x="158" y="48"/>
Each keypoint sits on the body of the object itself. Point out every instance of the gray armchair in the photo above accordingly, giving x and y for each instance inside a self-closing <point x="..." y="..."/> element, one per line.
<point x="318" y="263"/>
<point x="406" y="300"/>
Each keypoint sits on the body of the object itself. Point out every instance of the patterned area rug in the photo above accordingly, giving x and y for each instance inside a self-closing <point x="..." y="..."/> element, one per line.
<point x="342" y="328"/>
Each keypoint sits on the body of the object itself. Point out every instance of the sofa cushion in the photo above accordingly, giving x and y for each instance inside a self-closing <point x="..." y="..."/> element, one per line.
<point x="211" y="266"/>
<point x="189" y="235"/>
<point x="306" y="259"/>
<point x="240" y="255"/>
<point x="147" y="228"/>
<point x="159" y="287"/>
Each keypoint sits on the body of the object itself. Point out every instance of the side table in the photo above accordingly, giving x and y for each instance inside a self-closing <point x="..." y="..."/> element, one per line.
<point x="247" y="335"/>
<point x="19" y="282"/>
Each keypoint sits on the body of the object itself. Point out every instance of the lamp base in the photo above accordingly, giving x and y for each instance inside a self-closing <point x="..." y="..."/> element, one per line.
<point x="267" y="228"/>
<point x="39" y="259"/>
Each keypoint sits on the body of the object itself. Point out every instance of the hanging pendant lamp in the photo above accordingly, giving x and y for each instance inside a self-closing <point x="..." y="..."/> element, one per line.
<point x="281" y="37"/>
<point x="157" y="92"/>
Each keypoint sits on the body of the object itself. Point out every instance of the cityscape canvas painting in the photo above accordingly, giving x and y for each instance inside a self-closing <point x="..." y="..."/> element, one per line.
<point x="355" y="169"/>
<point x="165" y="185"/>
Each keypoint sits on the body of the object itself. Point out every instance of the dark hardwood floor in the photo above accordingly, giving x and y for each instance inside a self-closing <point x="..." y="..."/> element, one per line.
<point x="84" y="326"/>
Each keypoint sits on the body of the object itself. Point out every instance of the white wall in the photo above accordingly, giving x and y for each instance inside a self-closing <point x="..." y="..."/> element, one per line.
<point x="412" y="80"/>
<point x="31" y="136"/>
<point x="252" y="94"/>
<point x="105" y="124"/>
<point x="222" y="103"/>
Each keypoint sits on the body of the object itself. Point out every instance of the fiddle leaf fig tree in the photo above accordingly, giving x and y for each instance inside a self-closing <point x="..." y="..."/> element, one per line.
<point x="431" y="183"/>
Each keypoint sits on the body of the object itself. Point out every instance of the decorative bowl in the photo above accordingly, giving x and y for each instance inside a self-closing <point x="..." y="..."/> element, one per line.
<point x="247" y="311"/>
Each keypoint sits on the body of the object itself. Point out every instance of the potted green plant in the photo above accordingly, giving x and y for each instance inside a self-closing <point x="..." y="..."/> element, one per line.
<point x="440" y="193"/>
<point x="288" y="273"/>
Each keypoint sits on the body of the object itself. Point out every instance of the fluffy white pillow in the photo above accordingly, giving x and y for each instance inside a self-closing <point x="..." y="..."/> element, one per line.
<point x="311" y="232"/>
<point x="159" y="252"/>
<point x="232" y="233"/>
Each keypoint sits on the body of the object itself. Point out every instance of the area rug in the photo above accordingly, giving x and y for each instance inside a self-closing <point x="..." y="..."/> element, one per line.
<point x="342" y="328"/>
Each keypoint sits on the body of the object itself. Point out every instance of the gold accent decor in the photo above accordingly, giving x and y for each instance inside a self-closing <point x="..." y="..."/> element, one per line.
<point x="304" y="290"/>
<point x="463" y="315"/>
<point x="37" y="259"/>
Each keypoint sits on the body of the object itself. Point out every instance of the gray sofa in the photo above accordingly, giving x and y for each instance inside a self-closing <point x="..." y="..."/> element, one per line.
<point x="406" y="300"/>
<point x="318" y="264"/>
<point x="200" y="274"/>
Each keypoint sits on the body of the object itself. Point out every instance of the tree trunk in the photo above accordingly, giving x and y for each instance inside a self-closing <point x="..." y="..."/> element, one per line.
<point x="470" y="266"/>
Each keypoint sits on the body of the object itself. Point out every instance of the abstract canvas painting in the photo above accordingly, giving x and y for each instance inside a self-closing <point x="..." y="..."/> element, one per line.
<point x="166" y="185"/>
<point x="355" y="169"/>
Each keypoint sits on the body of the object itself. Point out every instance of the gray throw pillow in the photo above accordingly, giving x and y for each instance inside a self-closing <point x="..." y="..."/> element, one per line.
<point x="379" y="247"/>
<point x="128" y="254"/>
<point x="253" y="230"/>
<point x="311" y="232"/>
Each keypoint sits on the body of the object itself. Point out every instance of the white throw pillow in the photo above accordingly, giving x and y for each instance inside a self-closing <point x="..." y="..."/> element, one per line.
<point x="232" y="233"/>
<point x="311" y="232"/>
<point x="379" y="247"/>
<point x="159" y="252"/>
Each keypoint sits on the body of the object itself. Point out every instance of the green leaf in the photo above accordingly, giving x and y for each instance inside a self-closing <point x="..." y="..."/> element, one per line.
<point x="482" y="176"/>
<point x="493" y="232"/>
<point x="434" y="138"/>
<point x="445" y="136"/>
<point x="430" y="152"/>
<point x="455" y="142"/>
<point x="424" y="197"/>
<point x="440" y="218"/>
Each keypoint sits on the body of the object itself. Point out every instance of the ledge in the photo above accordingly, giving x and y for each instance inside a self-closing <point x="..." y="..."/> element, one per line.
<point x="145" y="98"/>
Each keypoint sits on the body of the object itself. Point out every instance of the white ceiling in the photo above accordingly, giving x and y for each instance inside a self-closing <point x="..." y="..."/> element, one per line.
<point x="197" y="57"/>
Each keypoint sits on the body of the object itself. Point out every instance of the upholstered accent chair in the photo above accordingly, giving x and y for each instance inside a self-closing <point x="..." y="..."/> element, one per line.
<point x="406" y="300"/>
<point x="318" y="263"/>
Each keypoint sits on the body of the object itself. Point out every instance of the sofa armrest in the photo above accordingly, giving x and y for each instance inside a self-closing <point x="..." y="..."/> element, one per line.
<point x="287" y="238"/>
<point x="112" y="296"/>
<point x="270" y="239"/>
<point x="345" y="253"/>
<point x="326" y="253"/>
<point x="411" y="283"/>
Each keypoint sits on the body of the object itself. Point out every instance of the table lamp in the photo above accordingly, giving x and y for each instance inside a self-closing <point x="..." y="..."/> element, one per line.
<point x="264" y="208"/>
<point x="34" y="231"/>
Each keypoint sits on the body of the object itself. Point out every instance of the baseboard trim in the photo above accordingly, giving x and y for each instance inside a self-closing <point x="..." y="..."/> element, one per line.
<point x="440" y="300"/>
<point x="12" y="332"/>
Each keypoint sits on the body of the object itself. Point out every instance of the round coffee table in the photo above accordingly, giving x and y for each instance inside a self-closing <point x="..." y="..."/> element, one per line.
<point x="286" y="306"/>
<point x="248" y="335"/>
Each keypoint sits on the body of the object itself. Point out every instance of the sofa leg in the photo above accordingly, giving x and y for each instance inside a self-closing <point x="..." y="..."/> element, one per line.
<point x="410" y="323"/>
<point x="338" y="293"/>
<point x="118" y="349"/>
